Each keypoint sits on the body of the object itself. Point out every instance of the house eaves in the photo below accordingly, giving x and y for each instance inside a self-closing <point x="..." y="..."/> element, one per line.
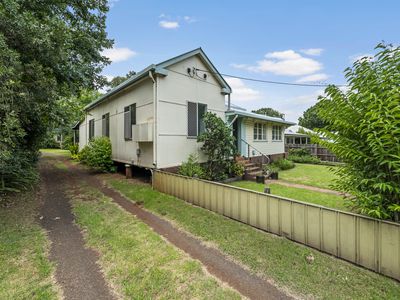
<point x="255" y="116"/>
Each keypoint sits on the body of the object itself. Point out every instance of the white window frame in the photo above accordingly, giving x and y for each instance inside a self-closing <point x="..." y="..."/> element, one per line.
<point x="260" y="131"/>
<point x="277" y="133"/>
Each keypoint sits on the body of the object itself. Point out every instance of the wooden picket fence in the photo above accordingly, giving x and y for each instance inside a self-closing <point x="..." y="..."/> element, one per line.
<point x="368" y="242"/>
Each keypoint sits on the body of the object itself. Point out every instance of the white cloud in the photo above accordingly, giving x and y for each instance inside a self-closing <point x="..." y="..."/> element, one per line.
<point x="116" y="54"/>
<point x="169" y="24"/>
<point x="312" y="51"/>
<point x="288" y="62"/>
<point x="189" y="19"/>
<point x="313" y="78"/>
<point x="241" y="92"/>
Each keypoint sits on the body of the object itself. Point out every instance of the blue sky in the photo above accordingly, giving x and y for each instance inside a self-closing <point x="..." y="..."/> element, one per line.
<point x="291" y="41"/>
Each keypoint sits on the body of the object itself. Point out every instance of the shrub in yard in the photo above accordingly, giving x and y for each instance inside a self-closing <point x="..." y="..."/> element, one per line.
<point x="218" y="145"/>
<point x="299" y="152"/>
<point x="191" y="167"/>
<point x="237" y="169"/>
<point x="74" y="149"/>
<point x="363" y="131"/>
<point x="97" y="154"/>
<point x="283" y="164"/>
<point x="305" y="159"/>
<point x="270" y="169"/>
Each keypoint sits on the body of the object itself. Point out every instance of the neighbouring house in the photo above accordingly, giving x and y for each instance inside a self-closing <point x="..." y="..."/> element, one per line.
<point x="294" y="137"/>
<point x="257" y="135"/>
<point x="153" y="118"/>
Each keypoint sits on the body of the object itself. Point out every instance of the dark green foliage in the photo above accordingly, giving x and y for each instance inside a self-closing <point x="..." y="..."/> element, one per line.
<point x="268" y="111"/>
<point x="299" y="152"/>
<point x="117" y="80"/>
<point x="363" y="130"/>
<point x="237" y="169"/>
<point x="302" y="155"/>
<point x="283" y="164"/>
<point x="97" y="154"/>
<point x="191" y="167"/>
<point x="48" y="51"/>
<point x="218" y="145"/>
<point x="311" y="119"/>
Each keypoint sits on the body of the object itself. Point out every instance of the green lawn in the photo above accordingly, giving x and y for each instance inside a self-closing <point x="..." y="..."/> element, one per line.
<point x="277" y="258"/>
<point x="137" y="261"/>
<point x="324" y="199"/>
<point x="56" y="151"/>
<point x="25" y="271"/>
<point x="314" y="175"/>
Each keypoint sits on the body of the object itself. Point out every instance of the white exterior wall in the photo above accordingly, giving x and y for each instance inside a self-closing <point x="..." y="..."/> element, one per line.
<point x="174" y="91"/>
<point x="122" y="150"/>
<point x="267" y="147"/>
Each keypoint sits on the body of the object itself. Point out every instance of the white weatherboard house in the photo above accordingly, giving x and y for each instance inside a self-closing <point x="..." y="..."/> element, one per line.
<point x="154" y="117"/>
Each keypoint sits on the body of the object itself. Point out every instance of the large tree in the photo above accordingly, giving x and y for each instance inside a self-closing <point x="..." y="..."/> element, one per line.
<point x="363" y="130"/>
<point x="268" y="111"/>
<point x="48" y="50"/>
<point x="311" y="119"/>
<point x="117" y="80"/>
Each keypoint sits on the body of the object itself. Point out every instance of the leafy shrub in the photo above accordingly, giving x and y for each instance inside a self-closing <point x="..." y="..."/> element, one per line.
<point x="218" y="146"/>
<point x="283" y="164"/>
<point x="270" y="168"/>
<point x="237" y="169"/>
<point x="307" y="159"/>
<point x="191" y="167"/>
<point x="299" y="152"/>
<point x="362" y="130"/>
<point x="97" y="154"/>
<point x="74" y="149"/>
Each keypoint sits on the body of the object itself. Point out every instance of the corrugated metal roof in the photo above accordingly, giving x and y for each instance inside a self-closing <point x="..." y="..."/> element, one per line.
<point x="258" y="117"/>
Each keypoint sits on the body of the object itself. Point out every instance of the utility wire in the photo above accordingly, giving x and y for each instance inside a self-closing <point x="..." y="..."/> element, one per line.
<point x="271" y="82"/>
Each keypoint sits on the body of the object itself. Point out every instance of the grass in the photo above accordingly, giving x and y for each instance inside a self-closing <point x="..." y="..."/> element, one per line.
<point x="56" y="151"/>
<point x="308" y="174"/>
<point x="138" y="262"/>
<point x="276" y="258"/>
<point x="324" y="199"/>
<point x="25" y="271"/>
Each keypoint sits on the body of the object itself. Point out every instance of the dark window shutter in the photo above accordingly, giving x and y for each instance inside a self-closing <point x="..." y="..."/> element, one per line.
<point x="105" y="123"/>
<point x="192" y="119"/>
<point x="127" y="123"/>
<point x="91" y="129"/>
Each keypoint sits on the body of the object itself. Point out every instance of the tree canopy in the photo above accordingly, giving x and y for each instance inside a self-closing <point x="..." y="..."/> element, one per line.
<point x="47" y="52"/>
<point x="268" y="111"/>
<point x="363" y="130"/>
<point x="117" y="80"/>
<point x="311" y="119"/>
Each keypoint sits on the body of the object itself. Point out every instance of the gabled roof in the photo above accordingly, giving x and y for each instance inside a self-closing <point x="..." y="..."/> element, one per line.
<point x="251" y="115"/>
<point x="160" y="69"/>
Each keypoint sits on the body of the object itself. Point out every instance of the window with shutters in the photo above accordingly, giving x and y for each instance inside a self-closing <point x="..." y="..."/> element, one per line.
<point x="91" y="129"/>
<point x="129" y="120"/>
<point x="195" y="119"/>
<point x="260" y="132"/>
<point x="105" y="120"/>
<point x="277" y="133"/>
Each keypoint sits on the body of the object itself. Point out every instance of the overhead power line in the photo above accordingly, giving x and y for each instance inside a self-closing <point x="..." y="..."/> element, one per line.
<point x="272" y="82"/>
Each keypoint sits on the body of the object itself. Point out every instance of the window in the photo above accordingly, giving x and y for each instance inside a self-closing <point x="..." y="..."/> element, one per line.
<point x="196" y="113"/>
<point x="105" y="125"/>
<point x="260" y="132"/>
<point x="276" y="133"/>
<point x="129" y="120"/>
<point x="91" y="129"/>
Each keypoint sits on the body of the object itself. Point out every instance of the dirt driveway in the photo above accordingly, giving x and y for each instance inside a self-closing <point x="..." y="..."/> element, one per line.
<point x="77" y="270"/>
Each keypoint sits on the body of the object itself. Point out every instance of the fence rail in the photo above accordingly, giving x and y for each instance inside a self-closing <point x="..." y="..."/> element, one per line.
<point x="371" y="243"/>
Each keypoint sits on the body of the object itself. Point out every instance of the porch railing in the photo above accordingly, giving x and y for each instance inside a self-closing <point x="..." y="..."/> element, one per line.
<point x="263" y="156"/>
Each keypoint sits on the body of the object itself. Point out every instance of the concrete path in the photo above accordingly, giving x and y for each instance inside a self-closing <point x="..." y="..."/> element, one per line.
<point x="303" y="186"/>
<point x="76" y="270"/>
